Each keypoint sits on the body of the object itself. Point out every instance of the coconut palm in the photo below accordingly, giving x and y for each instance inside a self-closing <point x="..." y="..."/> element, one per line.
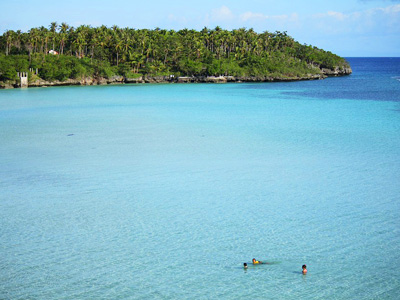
<point x="9" y="37"/>
<point x="53" y="29"/>
<point x="63" y="36"/>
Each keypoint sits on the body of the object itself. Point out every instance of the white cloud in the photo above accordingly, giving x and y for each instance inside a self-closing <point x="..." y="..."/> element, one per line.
<point x="364" y="32"/>
<point x="373" y="20"/>
<point x="253" y="16"/>
<point x="257" y="17"/>
<point x="390" y="11"/>
<point x="222" y="14"/>
<point x="394" y="9"/>
<point x="337" y="15"/>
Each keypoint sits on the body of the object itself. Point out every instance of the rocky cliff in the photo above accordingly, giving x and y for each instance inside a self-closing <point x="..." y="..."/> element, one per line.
<point x="338" y="71"/>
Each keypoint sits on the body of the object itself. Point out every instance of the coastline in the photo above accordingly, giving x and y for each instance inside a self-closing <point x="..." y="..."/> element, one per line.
<point x="183" y="79"/>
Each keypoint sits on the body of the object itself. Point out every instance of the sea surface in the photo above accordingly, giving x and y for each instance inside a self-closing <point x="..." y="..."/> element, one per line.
<point x="163" y="191"/>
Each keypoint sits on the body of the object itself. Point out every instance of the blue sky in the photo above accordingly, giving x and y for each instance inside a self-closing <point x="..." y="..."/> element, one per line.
<point x="345" y="27"/>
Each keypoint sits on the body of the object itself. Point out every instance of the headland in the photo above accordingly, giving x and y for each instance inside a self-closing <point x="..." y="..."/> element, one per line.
<point x="64" y="55"/>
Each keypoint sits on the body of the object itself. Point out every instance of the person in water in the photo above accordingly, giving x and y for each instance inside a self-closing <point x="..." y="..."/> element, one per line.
<point x="255" y="262"/>
<point x="245" y="265"/>
<point x="304" y="271"/>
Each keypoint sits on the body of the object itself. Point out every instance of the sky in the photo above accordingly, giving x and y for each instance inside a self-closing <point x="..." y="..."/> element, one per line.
<point x="349" y="28"/>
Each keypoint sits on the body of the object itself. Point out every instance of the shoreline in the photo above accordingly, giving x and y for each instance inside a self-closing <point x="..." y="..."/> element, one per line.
<point x="183" y="79"/>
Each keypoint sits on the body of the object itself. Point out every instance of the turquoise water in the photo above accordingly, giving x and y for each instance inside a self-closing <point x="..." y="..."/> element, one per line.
<point x="163" y="191"/>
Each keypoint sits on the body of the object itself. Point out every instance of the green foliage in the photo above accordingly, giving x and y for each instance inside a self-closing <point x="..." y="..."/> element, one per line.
<point x="104" y="69"/>
<point x="7" y="69"/>
<point x="190" y="67"/>
<point x="105" y="52"/>
<point x="231" y="67"/>
<point x="126" y="71"/>
<point x="57" y="68"/>
<point x="10" y="65"/>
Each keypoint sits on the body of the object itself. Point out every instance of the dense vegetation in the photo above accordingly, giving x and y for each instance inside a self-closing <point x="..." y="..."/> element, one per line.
<point x="103" y="52"/>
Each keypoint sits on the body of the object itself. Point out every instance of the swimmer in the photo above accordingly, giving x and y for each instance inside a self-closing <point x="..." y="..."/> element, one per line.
<point x="255" y="262"/>
<point x="304" y="271"/>
<point x="245" y="265"/>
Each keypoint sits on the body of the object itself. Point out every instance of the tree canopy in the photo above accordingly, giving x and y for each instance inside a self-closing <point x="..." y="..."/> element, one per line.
<point x="103" y="51"/>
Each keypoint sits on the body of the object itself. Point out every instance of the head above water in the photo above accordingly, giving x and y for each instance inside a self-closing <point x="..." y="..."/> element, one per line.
<point x="304" y="267"/>
<point x="245" y="265"/>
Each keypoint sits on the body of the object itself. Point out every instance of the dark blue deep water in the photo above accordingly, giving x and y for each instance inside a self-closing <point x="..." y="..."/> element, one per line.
<point x="373" y="79"/>
<point x="163" y="191"/>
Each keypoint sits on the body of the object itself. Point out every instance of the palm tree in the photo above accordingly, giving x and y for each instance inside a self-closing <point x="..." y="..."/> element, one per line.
<point x="34" y="38"/>
<point x="53" y="29"/>
<point x="118" y="46"/>
<point x="80" y="42"/>
<point x="116" y="40"/>
<point x="32" y="42"/>
<point x="18" y="39"/>
<point x="63" y="36"/>
<point x="126" y="44"/>
<point x="9" y="34"/>
<point x="104" y="39"/>
<point x="44" y="37"/>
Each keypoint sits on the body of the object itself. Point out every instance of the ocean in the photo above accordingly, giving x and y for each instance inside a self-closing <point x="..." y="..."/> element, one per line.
<point x="163" y="191"/>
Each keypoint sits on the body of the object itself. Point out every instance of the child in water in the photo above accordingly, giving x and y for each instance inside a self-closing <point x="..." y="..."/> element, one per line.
<point x="255" y="262"/>
<point x="245" y="265"/>
<point x="304" y="271"/>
